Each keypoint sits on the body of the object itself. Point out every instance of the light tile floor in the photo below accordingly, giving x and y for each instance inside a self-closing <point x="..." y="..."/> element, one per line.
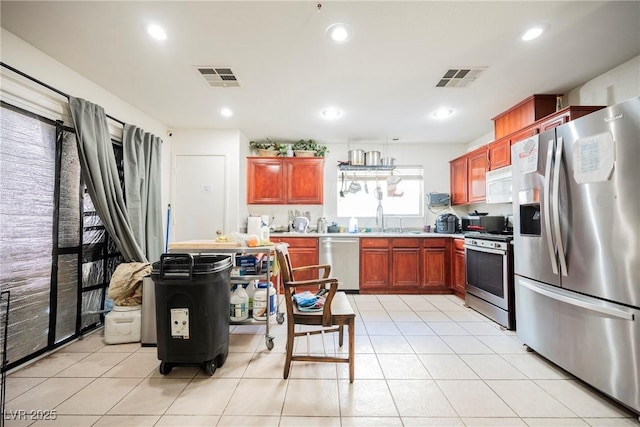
<point x="421" y="360"/>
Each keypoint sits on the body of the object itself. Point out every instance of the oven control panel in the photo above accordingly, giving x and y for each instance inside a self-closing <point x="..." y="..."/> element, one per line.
<point x="486" y="244"/>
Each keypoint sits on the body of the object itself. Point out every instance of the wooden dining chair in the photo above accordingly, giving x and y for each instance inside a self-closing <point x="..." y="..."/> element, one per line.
<point x="334" y="316"/>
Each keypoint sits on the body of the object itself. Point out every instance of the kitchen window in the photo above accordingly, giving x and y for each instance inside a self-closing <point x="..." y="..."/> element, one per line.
<point x="402" y="192"/>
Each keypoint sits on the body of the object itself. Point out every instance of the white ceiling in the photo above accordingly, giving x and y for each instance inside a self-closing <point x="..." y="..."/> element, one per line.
<point x="383" y="79"/>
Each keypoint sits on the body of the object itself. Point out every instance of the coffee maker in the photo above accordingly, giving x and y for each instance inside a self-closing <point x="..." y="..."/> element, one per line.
<point x="447" y="223"/>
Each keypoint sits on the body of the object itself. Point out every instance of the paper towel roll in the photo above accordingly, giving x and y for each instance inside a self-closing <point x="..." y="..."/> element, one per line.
<point x="254" y="224"/>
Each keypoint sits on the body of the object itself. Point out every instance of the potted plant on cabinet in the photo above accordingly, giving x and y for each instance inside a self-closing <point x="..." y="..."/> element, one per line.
<point x="309" y="148"/>
<point x="265" y="148"/>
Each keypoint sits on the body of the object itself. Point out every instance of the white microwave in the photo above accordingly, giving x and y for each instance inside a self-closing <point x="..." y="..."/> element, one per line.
<point x="499" y="186"/>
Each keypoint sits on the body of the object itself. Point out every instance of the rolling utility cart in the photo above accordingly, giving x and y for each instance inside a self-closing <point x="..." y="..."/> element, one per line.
<point x="192" y="310"/>
<point x="213" y="247"/>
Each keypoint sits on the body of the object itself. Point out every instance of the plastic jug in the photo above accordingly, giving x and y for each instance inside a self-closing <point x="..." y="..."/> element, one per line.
<point x="238" y="304"/>
<point x="353" y="225"/>
<point x="260" y="301"/>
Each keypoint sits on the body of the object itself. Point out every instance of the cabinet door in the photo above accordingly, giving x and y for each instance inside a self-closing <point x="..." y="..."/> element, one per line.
<point x="302" y="251"/>
<point x="477" y="176"/>
<point x="301" y="257"/>
<point x="374" y="269"/>
<point x="460" y="274"/>
<point x="405" y="267"/>
<point x="524" y="134"/>
<point x="499" y="154"/>
<point x="434" y="261"/>
<point x="305" y="179"/>
<point x="554" y="122"/>
<point x="458" y="184"/>
<point x="265" y="181"/>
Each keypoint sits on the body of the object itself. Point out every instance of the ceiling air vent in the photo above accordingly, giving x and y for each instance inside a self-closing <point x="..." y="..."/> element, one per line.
<point x="460" y="77"/>
<point x="219" y="76"/>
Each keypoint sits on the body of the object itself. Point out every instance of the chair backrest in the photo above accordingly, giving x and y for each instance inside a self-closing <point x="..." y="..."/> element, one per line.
<point x="284" y="262"/>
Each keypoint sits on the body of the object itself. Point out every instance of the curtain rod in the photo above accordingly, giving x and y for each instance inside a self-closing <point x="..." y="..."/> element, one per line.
<point x="59" y="92"/>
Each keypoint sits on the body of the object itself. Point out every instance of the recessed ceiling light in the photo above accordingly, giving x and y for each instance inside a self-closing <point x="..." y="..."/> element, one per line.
<point x="532" y="33"/>
<point x="226" y="112"/>
<point x="331" y="113"/>
<point x="339" y="33"/>
<point x="443" y="113"/>
<point x="156" y="32"/>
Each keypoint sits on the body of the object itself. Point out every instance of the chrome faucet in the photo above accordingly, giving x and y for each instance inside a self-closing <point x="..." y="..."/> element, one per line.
<point x="401" y="229"/>
<point x="379" y="211"/>
<point x="380" y="217"/>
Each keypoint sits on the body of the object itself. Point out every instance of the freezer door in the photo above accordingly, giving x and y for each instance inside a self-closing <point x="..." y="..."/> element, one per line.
<point x="601" y="212"/>
<point x="596" y="341"/>
<point x="534" y="250"/>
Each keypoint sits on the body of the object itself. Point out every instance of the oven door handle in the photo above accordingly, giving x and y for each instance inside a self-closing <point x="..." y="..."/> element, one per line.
<point x="486" y="250"/>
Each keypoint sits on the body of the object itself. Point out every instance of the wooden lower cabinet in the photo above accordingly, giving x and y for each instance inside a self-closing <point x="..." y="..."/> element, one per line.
<point x="459" y="273"/>
<point x="375" y="263"/>
<point x="435" y="265"/>
<point x="302" y="251"/>
<point x="404" y="265"/>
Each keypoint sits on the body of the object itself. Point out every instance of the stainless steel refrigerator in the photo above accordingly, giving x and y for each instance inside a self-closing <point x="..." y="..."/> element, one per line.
<point x="576" y="196"/>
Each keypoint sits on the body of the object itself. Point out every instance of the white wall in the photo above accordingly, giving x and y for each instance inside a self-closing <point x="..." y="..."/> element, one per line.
<point x="614" y="86"/>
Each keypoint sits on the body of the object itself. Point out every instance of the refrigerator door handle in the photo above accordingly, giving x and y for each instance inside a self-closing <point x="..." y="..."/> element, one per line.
<point x="610" y="311"/>
<point x="556" y="204"/>
<point x="547" y="208"/>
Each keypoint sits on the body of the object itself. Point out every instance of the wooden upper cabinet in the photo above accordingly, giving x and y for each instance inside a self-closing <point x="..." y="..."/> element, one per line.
<point x="477" y="175"/>
<point x="265" y="181"/>
<point x="285" y="180"/>
<point x="499" y="154"/>
<point x="567" y="114"/>
<point x="468" y="177"/>
<point x="523" y="134"/>
<point x="458" y="183"/>
<point x="523" y="114"/>
<point x="305" y="179"/>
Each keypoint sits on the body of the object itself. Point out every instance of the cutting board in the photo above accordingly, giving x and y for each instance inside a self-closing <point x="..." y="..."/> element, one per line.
<point x="203" y="244"/>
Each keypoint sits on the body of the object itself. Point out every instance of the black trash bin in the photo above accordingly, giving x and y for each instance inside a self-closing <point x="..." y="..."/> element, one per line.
<point x="192" y="310"/>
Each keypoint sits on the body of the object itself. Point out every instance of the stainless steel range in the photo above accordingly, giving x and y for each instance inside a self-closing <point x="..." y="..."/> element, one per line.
<point x="489" y="288"/>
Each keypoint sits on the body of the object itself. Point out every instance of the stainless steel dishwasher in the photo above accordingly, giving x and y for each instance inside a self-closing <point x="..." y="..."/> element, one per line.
<point x="343" y="253"/>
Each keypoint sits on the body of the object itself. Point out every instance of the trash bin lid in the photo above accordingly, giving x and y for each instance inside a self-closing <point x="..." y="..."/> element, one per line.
<point x="202" y="264"/>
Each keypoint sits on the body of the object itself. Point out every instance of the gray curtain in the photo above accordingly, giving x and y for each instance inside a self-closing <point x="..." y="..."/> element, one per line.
<point x="142" y="188"/>
<point x="100" y="173"/>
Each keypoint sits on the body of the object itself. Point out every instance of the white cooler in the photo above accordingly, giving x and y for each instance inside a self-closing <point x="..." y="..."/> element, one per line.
<point x="123" y="325"/>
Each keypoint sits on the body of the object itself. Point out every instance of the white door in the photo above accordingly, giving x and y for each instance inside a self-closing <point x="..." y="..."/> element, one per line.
<point x="199" y="199"/>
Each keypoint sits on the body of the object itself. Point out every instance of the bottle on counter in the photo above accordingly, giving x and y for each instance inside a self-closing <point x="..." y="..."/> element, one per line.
<point x="322" y="225"/>
<point x="353" y="225"/>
